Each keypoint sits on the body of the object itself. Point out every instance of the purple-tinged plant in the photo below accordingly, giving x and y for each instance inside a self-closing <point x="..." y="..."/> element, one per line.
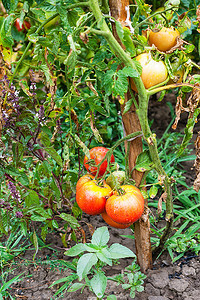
<point x="19" y="214"/>
<point x="14" y="193"/>
<point x="41" y="114"/>
<point x="2" y="203"/>
<point x="33" y="88"/>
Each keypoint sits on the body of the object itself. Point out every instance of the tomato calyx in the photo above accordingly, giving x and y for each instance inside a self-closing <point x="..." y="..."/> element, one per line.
<point x="121" y="192"/>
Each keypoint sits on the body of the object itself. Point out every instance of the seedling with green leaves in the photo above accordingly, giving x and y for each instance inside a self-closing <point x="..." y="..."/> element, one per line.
<point x="89" y="272"/>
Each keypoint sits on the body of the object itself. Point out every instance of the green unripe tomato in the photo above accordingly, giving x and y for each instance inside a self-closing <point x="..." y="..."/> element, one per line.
<point x="117" y="178"/>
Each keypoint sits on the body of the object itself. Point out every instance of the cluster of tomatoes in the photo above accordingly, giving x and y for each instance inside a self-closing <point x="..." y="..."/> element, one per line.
<point x="155" y="72"/>
<point x="119" y="207"/>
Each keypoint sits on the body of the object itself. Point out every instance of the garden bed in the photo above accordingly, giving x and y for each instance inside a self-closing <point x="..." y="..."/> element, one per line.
<point x="167" y="280"/>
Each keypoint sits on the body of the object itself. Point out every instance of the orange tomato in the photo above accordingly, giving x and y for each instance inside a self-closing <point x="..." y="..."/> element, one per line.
<point x="126" y="208"/>
<point x="112" y="223"/>
<point x="97" y="154"/>
<point x="164" y="39"/>
<point x="153" y="72"/>
<point x="83" y="180"/>
<point x="90" y="196"/>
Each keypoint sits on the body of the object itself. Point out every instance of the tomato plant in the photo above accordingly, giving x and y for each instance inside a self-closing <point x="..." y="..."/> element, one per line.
<point x="126" y="207"/>
<point x="164" y="39"/>
<point x="97" y="154"/>
<point x="25" y="26"/>
<point x="90" y="196"/>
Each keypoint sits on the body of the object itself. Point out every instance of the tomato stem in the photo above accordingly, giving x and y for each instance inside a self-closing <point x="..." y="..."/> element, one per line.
<point x="169" y="87"/>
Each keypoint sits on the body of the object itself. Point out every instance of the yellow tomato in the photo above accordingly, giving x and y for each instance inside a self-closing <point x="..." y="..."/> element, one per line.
<point x="153" y="72"/>
<point x="164" y="39"/>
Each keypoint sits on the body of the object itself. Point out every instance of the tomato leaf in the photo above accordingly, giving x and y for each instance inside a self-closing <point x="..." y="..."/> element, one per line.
<point x="129" y="72"/>
<point x="188" y="131"/>
<point x="127" y="106"/>
<point x="100" y="236"/>
<point x="121" y="84"/>
<point x="144" y="162"/>
<point x="10" y="5"/>
<point x="83" y="146"/>
<point x="153" y="191"/>
<point x="61" y="7"/>
<point x="128" y="43"/>
<point x="107" y="82"/>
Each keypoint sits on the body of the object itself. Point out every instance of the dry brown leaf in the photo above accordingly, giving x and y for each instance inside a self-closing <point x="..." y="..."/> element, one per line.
<point x="90" y="85"/>
<point x="179" y="108"/>
<point x="83" y="235"/>
<point x="84" y="37"/>
<point x="179" y="45"/>
<point x="194" y="99"/>
<point x="196" y="184"/>
<point x="91" y="228"/>
<point x="162" y="198"/>
<point x="95" y="130"/>
<point x="74" y="118"/>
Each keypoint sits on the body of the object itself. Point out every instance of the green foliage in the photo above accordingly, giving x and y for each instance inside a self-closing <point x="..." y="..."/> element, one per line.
<point x="9" y="250"/>
<point x="132" y="279"/>
<point x="91" y="263"/>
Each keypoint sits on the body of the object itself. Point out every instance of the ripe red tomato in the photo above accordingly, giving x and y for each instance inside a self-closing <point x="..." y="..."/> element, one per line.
<point x="153" y="72"/>
<point x="25" y="26"/>
<point x="126" y="208"/>
<point x="91" y="197"/>
<point x="97" y="154"/>
<point x="112" y="223"/>
<point x="164" y="39"/>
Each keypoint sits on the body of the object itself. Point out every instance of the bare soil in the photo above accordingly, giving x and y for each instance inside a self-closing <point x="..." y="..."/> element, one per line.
<point x="180" y="280"/>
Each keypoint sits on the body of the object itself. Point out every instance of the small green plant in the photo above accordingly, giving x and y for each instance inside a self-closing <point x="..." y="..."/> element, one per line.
<point x="88" y="270"/>
<point x="131" y="279"/>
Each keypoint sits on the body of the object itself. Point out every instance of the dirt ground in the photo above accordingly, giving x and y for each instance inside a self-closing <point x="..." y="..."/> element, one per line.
<point x="180" y="280"/>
